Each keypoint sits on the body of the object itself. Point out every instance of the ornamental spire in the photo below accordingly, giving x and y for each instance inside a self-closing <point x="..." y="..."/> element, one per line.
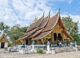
<point x="49" y="13"/>
<point x="43" y="14"/>
<point x="59" y="11"/>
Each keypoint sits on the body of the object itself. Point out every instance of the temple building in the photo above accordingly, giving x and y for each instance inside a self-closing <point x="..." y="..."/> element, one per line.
<point x="45" y="29"/>
<point x="3" y="41"/>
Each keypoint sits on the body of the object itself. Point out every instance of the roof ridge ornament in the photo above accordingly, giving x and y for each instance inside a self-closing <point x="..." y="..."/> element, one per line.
<point x="43" y="14"/>
<point x="59" y="11"/>
<point x="49" y="13"/>
<point x="35" y="17"/>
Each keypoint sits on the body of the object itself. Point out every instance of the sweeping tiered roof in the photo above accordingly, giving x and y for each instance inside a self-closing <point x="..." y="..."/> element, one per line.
<point x="44" y="26"/>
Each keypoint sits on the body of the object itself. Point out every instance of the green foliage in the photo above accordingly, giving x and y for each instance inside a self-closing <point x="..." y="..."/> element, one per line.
<point x="10" y="44"/>
<point x="4" y="27"/>
<point x="78" y="39"/>
<point x="16" y="32"/>
<point x="40" y="51"/>
<point x="72" y="27"/>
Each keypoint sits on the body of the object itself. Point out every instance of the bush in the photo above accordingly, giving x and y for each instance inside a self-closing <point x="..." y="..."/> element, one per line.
<point x="40" y="51"/>
<point x="10" y="44"/>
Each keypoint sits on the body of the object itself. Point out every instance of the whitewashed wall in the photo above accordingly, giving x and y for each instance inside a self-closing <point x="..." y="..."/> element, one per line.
<point x="6" y="45"/>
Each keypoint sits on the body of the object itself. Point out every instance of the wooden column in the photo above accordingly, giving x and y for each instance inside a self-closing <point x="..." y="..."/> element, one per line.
<point x="37" y="41"/>
<point x="42" y="40"/>
<point x="0" y="44"/>
<point x="52" y="37"/>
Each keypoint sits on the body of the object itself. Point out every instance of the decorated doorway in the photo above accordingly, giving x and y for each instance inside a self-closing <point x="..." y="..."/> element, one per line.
<point x="2" y="45"/>
<point x="57" y="37"/>
<point x="60" y="37"/>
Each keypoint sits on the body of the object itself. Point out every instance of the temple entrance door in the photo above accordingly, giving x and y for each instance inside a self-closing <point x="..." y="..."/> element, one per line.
<point x="2" y="45"/>
<point x="55" y="36"/>
<point x="60" y="37"/>
<point x="27" y="42"/>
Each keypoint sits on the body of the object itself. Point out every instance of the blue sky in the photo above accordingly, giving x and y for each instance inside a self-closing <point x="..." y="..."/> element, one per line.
<point x="23" y="12"/>
<point x="69" y="6"/>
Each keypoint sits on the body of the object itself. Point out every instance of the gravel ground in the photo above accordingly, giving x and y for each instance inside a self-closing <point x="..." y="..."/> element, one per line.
<point x="58" y="55"/>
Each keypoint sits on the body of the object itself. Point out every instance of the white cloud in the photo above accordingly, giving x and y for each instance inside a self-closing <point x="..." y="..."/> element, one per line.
<point x="23" y="12"/>
<point x="76" y="18"/>
<point x="31" y="8"/>
<point x="14" y="11"/>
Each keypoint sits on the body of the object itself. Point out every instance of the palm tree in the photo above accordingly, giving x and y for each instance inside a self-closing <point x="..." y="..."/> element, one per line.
<point x="3" y="28"/>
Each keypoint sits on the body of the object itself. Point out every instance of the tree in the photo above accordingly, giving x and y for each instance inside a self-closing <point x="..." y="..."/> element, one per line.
<point x="72" y="27"/>
<point x="3" y="29"/>
<point x="16" y="32"/>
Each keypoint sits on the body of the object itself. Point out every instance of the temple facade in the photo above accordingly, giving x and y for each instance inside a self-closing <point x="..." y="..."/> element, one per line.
<point x="3" y="41"/>
<point x="45" y="29"/>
